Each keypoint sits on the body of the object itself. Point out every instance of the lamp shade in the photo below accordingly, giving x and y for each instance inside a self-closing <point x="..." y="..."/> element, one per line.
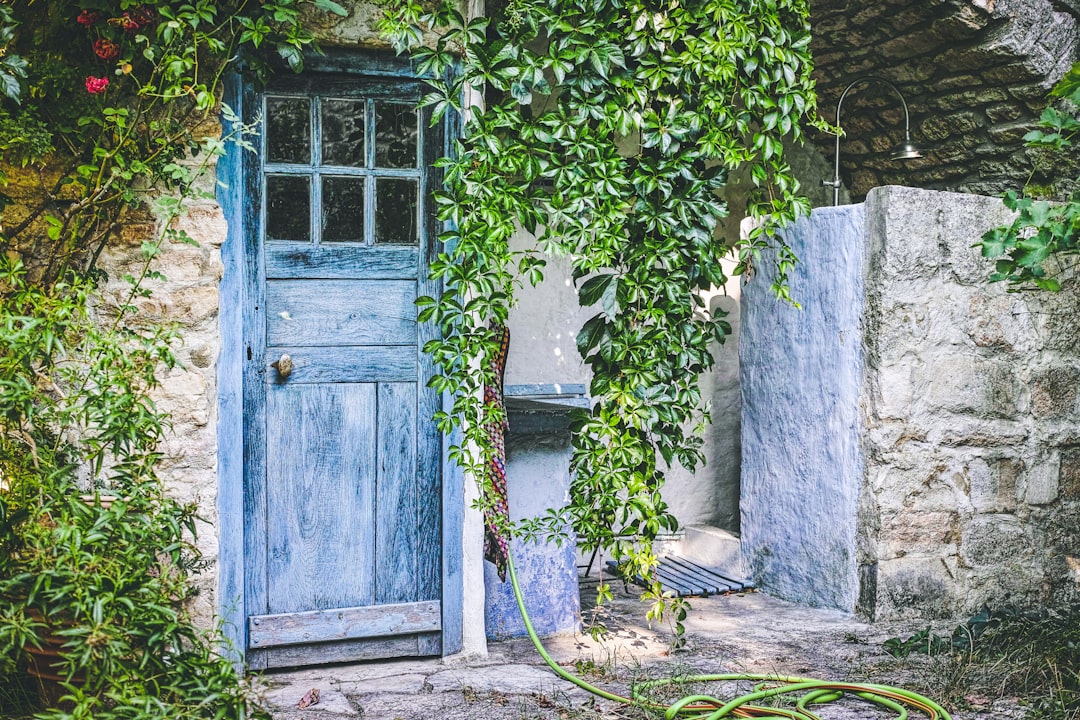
<point x="906" y="151"/>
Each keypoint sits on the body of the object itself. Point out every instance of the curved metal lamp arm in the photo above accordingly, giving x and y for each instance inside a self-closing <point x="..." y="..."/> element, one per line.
<point x="835" y="182"/>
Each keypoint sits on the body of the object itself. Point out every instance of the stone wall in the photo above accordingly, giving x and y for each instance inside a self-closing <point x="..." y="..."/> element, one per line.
<point x="967" y="427"/>
<point x="974" y="72"/>
<point x="188" y="300"/>
<point x="972" y="419"/>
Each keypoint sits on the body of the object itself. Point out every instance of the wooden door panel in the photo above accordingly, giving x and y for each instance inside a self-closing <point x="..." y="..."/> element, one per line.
<point x="320" y="486"/>
<point x="351" y="650"/>
<point x="360" y="364"/>
<point x="340" y="312"/>
<point x="344" y="624"/>
<point x="331" y="261"/>
<point x="396" y="534"/>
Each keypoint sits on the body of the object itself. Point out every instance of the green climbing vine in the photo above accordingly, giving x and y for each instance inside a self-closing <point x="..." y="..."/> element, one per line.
<point x="607" y="130"/>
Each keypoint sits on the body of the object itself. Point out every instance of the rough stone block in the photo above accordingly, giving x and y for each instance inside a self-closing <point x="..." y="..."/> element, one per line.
<point x="181" y="264"/>
<point x="998" y="321"/>
<point x="1069" y="473"/>
<point x="205" y="224"/>
<point x="993" y="484"/>
<point x="1004" y="112"/>
<point x="1009" y="133"/>
<point x="926" y="230"/>
<point x="939" y="127"/>
<point x="917" y="587"/>
<point x="969" y="385"/>
<point x="1056" y="316"/>
<point x="1054" y="392"/>
<point x="914" y="480"/>
<point x="1042" y="479"/>
<point x="135" y="234"/>
<point x="977" y="433"/>
<point x="195" y="304"/>
<point x="919" y="533"/>
<point x="970" y="98"/>
<point x="894" y="391"/>
<point x="999" y="542"/>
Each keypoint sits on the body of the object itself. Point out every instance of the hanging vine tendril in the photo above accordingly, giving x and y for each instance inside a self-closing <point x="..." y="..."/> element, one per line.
<point x="607" y="131"/>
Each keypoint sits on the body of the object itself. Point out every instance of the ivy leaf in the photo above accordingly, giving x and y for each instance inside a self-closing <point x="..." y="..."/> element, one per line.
<point x="1032" y="251"/>
<point x="594" y="288"/>
<point x="592" y="334"/>
<point x="12" y="68"/>
<point x="293" y="56"/>
<point x="330" y="6"/>
<point x="520" y="92"/>
<point x="994" y="242"/>
<point x="10" y="87"/>
<point x="1068" y="87"/>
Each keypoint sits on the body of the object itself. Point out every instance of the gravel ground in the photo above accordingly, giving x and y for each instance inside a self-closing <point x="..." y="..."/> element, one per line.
<point x="741" y="633"/>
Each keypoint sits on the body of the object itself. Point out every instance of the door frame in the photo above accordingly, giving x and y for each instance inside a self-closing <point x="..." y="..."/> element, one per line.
<point x="237" y="171"/>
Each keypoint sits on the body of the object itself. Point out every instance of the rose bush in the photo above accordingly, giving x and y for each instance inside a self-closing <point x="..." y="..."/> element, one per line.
<point x="104" y="105"/>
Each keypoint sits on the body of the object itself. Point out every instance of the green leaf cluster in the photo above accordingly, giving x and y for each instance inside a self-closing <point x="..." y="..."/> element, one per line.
<point x="78" y="427"/>
<point x="102" y="97"/>
<point x="606" y="129"/>
<point x="1038" y="248"/>
<point x="104" y="105"/>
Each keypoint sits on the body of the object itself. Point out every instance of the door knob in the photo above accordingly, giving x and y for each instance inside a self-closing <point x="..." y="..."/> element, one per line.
<point x="284" y="366"/>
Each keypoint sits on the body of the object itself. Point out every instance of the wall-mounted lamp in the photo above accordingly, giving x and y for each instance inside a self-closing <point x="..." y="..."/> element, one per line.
<point x="904" y="151"/>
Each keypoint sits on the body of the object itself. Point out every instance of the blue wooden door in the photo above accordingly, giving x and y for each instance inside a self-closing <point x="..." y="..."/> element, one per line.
<point x="342" y="458"/>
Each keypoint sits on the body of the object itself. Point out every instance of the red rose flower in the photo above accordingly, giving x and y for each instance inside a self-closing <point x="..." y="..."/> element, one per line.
<point x="126" y="22"/>
<point x="106" y="49"/>
<point x="87" y="18"/>
<point x="96" y="85"/>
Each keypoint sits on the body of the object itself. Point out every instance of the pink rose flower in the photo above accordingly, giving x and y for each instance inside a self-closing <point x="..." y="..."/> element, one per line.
<point x="96" y="85"/>
<point x="87" y="18"/>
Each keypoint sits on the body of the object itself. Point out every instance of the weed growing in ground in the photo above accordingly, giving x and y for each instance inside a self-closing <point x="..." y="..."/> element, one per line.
<point x="1030" y="655"/>
<point x="18" y="696"/>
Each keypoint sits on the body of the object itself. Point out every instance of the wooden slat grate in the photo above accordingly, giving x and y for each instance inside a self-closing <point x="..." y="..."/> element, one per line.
<point x="686" y="578"/>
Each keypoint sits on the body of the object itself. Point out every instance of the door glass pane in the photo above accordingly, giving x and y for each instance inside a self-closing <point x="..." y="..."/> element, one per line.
<point x="395" y="135"/>
<point x="343" y="132"/>
<point x="343" y="209"/>
<point x="395" y="211"/>
<point x="288" y="130"/>
<point x="288" y="207"/>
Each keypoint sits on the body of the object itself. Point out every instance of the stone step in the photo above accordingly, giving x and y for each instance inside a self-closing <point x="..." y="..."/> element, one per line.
<point x="712" y="547"/>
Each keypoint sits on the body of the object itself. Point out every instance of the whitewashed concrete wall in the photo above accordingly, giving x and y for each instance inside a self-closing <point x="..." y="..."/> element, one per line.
<point x="961" y="436"/>
<point x="801" y="375"/>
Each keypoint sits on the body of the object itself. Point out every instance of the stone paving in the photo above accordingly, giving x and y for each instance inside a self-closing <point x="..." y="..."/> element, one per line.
<point x="749" y="632"/>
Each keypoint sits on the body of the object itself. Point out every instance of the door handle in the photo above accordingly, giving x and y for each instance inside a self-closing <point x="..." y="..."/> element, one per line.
<point x="284" y="366"/>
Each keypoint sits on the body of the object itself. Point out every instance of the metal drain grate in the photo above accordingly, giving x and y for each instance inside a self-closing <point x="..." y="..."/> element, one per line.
<point x="685" y="578"/>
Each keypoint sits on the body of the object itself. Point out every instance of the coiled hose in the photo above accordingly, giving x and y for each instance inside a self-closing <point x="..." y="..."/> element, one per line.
<point x="808" y="691"/>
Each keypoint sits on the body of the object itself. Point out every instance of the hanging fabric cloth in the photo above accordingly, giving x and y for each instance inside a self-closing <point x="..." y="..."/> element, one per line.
<point x="496" y="509"/>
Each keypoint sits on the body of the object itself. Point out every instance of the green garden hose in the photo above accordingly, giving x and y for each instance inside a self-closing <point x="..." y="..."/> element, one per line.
<point x="808" y="692"/>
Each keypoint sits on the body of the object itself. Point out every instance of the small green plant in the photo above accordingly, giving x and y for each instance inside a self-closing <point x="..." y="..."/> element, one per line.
<point x="1039" y="248"/>
<point x="963" y="636"/>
